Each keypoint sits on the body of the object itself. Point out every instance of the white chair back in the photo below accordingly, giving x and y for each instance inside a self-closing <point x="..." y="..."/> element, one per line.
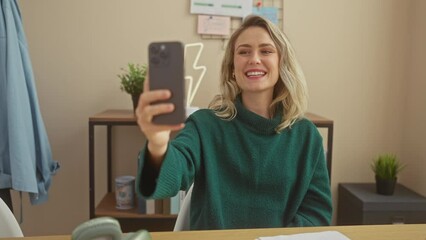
<point x="182" y="221"/>
<point x="9" y="227"/>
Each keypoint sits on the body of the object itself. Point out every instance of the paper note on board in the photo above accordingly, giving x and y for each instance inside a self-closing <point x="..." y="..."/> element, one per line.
<point x="233" y="8"/>
<point x="215" y="25"/>
<point x="270" y="13"/>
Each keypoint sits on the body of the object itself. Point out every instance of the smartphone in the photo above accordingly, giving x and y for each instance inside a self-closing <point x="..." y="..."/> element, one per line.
<point x="166" y="71"/>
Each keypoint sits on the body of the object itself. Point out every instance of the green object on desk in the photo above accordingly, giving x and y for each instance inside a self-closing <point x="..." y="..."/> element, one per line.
<point x="106" y="227"/>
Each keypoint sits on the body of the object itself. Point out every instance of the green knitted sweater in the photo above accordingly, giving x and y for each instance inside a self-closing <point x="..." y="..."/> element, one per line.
<point x="245" y="174"/>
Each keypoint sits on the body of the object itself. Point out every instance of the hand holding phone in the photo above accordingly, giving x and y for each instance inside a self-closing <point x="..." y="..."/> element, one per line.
<point x="166" y="71"/>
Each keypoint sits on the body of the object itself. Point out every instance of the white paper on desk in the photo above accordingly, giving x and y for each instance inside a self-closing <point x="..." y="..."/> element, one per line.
<point x="326" y="235"/>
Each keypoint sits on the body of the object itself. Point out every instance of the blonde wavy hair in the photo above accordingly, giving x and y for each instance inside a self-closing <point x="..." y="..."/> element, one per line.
<point x="290" y="90"/>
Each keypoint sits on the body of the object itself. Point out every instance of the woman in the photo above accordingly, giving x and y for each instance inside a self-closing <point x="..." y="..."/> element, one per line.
<point x="254" y="160"/>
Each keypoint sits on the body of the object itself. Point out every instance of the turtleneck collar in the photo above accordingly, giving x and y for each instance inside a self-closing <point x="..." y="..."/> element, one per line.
<point x="255" y="121"/>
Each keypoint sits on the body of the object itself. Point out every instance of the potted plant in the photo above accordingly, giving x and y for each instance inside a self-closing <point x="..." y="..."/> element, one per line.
<point x="386" y="168"/>
<point x="132" y="81"/>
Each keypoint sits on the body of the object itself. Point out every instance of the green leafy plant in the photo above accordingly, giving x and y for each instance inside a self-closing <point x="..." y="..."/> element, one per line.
<point x="133" y="78"/>
<point x="387" y="166"/>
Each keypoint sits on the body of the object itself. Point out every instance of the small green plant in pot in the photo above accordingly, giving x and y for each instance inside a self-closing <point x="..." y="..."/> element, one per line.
<point x="386" y="168"/>
<point x="132" y="80"/>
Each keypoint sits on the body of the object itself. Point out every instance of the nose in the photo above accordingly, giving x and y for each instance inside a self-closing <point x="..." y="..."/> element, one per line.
<point x="254" y="59"/>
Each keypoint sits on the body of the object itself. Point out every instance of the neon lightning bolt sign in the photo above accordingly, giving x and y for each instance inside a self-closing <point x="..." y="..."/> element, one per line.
<point x="195" y="66"/>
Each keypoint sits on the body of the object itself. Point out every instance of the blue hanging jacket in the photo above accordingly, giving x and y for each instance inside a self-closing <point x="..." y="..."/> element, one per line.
<point x="26" y="163"/>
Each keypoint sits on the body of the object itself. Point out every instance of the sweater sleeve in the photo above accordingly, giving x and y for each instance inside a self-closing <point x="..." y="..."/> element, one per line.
<point x="316" y="207"/>
<point x="177" y="170"/>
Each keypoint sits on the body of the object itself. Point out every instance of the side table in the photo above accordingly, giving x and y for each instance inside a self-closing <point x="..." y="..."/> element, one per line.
<point x="358" y="203"/>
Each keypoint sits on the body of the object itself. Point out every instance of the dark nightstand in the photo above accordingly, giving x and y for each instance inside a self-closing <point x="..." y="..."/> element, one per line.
<point x="359" y="203"/>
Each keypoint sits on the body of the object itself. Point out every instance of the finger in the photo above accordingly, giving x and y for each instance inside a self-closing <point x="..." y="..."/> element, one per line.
<point x="154" y="96"/>
<point x="177" y="127"/>
<point x="158" y="128"/>
<point x="146" y="82"/>
<point x="157" y="109"/>
<point x="145" y="113"/>
<point x="145" y="89"/>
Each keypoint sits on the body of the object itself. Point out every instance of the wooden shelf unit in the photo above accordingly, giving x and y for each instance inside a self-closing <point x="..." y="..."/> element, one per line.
<point x="322" y="122"/>
<point x="131" y="220"/>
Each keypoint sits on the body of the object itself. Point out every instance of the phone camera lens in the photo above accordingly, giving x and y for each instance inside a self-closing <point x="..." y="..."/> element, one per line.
<point x="163" y="54"/>
<point x="155" y="61"/>
<point x="154" y="49"/>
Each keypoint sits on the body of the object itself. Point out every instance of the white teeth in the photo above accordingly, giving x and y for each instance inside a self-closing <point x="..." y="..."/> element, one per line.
<point x="255" y="73"/>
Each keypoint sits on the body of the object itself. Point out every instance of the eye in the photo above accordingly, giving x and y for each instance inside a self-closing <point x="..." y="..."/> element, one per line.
<point x="243" y="52"/>
<point x="267" y="52"/>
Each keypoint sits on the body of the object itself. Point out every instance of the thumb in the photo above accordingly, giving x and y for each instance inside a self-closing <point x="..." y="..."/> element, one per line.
<point x="146" y="82"/>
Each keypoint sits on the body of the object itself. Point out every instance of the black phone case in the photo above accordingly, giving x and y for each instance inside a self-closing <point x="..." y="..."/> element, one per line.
<point x="166" y="71"/>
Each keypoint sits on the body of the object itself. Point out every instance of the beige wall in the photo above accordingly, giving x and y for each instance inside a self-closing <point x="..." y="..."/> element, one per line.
<point x="414" y="130"/>
<point x="363" y="61"/>
<point x="357" y="59"/>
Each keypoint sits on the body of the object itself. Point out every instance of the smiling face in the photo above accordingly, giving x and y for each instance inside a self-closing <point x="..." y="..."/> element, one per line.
<point x="256" y="62"/>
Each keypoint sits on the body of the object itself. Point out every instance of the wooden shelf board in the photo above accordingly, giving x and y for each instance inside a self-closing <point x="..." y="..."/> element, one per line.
<point x="317" y="119"/>
<point x="125" y="115"/>
<point x="114" y="115"/>
<point x="107" y="208"/>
